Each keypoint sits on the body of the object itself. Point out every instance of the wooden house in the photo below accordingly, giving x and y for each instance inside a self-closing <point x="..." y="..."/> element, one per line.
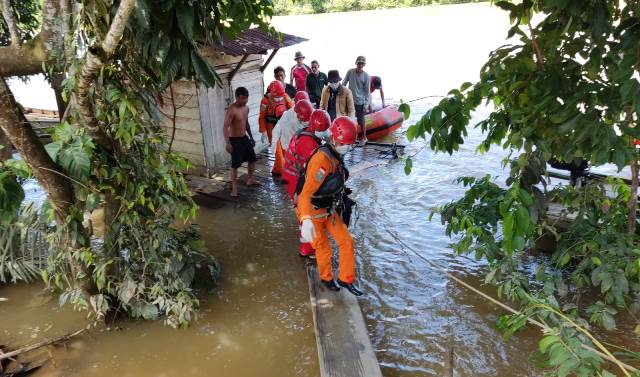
<point x="193" y="115"/>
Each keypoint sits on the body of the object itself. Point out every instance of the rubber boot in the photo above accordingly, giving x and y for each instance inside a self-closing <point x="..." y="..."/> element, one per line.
<point x="330" y="285"/>
<point x="351" y="288"/>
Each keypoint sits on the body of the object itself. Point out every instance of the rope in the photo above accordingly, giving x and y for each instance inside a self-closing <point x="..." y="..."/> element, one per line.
<point x="542" y="326"/>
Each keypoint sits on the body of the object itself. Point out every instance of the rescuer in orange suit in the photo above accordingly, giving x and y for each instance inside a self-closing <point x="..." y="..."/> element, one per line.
<point x="319" y="204"/>
<point x="274" y="103"/>
<point x="301" y="147"/>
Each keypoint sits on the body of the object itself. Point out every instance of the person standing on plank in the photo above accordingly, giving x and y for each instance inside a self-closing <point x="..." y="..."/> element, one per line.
<point x="321" y="190"/>
<point x="288" y="126"/>
<point x="360" y="84"/>
<point x="274" y="103"/>
<point x="238" y="137"/>
<point x="301" y="147"/>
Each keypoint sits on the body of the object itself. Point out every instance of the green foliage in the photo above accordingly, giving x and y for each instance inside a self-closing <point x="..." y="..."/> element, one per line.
<point x="566" y="88"/>
<point x="27" y="15"/>
<point x="127" y="244"/>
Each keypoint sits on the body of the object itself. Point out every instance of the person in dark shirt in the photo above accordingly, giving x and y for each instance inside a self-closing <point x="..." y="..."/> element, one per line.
<point x="316" y="81"/>
<point x="280" y="75"/>
<point x="376" y="84"/>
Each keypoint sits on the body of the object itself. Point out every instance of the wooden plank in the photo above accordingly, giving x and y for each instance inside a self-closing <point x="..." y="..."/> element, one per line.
<point x="344" y="347"/>
<point x="182" y="123"/>
<point x="186" y="135"/>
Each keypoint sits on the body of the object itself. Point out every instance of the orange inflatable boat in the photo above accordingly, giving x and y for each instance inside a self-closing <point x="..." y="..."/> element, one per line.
<point x="382" y="122"/>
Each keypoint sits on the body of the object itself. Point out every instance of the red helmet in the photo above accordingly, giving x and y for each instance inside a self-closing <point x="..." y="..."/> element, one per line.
<point x="319" y="121"/>
<point x="276" y="88"/>
<point x="300" y="96"/>
<point x="303" y="109"/>
<point x="344" y="130"/>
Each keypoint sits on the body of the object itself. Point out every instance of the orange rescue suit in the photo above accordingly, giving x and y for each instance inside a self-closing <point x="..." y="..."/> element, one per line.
<point x="319" y="167"/>
<point x="271" y="109"/>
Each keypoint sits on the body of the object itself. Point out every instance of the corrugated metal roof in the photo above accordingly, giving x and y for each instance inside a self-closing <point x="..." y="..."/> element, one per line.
<point x="256" y="41"/>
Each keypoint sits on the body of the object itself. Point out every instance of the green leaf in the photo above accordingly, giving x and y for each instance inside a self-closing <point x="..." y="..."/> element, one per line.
<point x="522" y="219"/>
<point x="405" y="109"/>
<point x="547" y="341"/>
<point x="75" y="161"/>
<point x="11" y="196"/>
<point x="53" y="149"/>
<point x="185" y="16"/>
<point x="204" y="70"/>
<point x="408" y="165"/>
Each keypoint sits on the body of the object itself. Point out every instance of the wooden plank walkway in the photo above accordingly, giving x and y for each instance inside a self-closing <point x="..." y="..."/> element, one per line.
<point x="344" y="347"/>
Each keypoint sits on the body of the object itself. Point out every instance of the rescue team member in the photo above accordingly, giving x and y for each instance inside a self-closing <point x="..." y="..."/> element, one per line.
<point x="336" y="98"/>
<point x="299" y="73"/>
<point x="274" y="103"/>
<point x="376" y="84"/>
<point x="316" y="81"/>
<point x="301" y="147"/>
<point x="288" y="126"/>
<point x="278" y="74"/>
<point x="236" y="129"/>
<point x="321" y="192"/>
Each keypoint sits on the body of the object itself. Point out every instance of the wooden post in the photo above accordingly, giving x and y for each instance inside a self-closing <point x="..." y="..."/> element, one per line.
<point x="273" y="53"/>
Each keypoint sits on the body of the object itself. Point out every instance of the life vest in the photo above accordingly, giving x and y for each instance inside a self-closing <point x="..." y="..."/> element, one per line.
<point x="276" y="106"/>
<point x="293" y="161"/>
<point x="333" y="186"/>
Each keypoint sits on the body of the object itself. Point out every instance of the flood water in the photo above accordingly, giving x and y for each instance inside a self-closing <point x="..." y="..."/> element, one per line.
<point x="257" y="322"/>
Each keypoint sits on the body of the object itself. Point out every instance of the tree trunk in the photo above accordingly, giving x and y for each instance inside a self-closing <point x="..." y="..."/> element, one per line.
<point x="633" y="198"/>
<point x="6" y="147"/>
<point x="10" y="20"/>
<point x="56" y="84"/>
<point x="47" y="172"/>
<point x="92" y="65"/>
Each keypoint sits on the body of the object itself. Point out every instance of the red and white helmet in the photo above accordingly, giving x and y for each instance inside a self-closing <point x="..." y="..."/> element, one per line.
<point x="319" y="121"/>
<point x="344" y="130"/>
<point x="276" y="88"/>
<point x="303" y="109"/>
<point x="300" y="96"/>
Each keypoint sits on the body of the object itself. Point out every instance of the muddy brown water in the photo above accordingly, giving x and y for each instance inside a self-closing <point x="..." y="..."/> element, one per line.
<point x="257" y="322"/>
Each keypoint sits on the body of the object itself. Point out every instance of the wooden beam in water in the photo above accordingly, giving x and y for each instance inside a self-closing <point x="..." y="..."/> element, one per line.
<point x="344" y="347"/>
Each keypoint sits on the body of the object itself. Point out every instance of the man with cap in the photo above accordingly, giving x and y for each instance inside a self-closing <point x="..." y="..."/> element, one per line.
<point x="299" y="73"/>
<point x="292" y="120"/>
<point x="360" y="84"/>
<point x="337" y="99"/>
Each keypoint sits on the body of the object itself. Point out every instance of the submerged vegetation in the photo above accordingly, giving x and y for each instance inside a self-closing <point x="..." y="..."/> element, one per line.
<point x="565" y="87"/>
<point x="289" y="7"/>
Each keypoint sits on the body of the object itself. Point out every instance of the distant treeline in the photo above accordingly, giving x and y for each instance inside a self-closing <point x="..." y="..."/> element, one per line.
<point x="288" y="7"/>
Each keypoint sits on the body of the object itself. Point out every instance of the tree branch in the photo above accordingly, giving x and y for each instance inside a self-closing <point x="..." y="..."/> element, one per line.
<point x="93" y="63"/>
<point x="7" y="14"/>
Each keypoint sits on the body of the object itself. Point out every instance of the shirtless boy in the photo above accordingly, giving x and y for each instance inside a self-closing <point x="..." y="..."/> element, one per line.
<point x="239" y="145"/>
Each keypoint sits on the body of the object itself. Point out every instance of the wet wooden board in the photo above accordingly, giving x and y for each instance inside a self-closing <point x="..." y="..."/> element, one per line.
<point x="344" y="347"/>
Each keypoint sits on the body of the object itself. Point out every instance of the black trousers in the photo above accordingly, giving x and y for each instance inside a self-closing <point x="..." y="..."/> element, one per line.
<point x="360" y="115"/>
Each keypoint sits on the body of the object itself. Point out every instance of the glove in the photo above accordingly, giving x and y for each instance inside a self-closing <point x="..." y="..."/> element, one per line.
<point x="308" y="230"/>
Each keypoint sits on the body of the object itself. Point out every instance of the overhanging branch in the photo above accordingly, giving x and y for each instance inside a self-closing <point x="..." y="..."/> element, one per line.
<point x="93" y="63"/>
